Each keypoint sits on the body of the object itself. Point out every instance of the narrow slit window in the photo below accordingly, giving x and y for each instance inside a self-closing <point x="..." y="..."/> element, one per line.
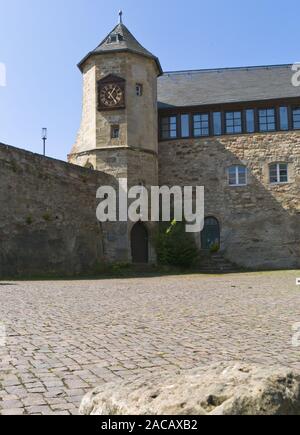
<point x="185" y="126"/>
<point x="284" y="118"/>
<point x="217" y="123"/>
<point x="250" y="121"/>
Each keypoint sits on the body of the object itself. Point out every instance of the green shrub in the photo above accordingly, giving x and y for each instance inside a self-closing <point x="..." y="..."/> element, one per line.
<point x="176" y="247"/>
<point x="47" y="217"/>
<point x="29" y="220"/>
<point x="215" y="248"/>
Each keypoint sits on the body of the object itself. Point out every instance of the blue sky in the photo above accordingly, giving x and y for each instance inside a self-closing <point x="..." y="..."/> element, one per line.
<point x="41" y="41"/>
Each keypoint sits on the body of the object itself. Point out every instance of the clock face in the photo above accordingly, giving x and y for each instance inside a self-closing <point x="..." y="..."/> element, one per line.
<point x="111" y="95"/>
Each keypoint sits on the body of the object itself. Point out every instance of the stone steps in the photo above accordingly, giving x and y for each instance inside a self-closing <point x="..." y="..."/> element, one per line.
<point x="216" y="263"/>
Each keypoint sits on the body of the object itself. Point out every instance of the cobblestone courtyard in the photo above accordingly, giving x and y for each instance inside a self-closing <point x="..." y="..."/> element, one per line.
<point x="66" y="337"/>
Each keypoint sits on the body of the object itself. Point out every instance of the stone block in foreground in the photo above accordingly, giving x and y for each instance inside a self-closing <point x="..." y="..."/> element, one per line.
<point x="221" y="389"/>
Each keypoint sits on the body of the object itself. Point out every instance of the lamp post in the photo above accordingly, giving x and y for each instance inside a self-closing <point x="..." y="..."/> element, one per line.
<point x="44" y="138"/>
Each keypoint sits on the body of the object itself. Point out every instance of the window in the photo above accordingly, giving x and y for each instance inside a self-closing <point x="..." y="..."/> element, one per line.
<point x="139" y="89"/>
<point x="296" y="119"/>
<point x="267" y="120"/>
<point x="233" y="122"/>
<point x="169" y="127"/>
<point x="185" y="125"/>
<point x="201" y="125"/>
<point x="217" y="123"/>
<point x="114" y="37"/>
<point x="115" y="131"/>
<point x="250" y="121"/>
<point x="278" y="173"/>
<point x="237" y="175"/>
<point x="284" y="118"/>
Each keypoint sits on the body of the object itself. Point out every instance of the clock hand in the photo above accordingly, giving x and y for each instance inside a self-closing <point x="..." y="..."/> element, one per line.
<point x="110" y="94"/>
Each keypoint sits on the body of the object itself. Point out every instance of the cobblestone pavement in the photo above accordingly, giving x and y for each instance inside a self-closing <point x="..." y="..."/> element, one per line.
<point x="66" y="337"/>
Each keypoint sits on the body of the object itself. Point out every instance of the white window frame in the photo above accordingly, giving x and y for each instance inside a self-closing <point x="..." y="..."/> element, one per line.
<point x="237" y="176"/>
<point x="278" y="173"/>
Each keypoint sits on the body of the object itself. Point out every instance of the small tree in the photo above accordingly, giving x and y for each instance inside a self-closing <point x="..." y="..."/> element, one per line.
<point x="176" y="247"/>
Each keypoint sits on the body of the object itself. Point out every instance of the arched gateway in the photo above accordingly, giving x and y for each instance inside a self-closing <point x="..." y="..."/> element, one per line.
<point x="139" y="244"/>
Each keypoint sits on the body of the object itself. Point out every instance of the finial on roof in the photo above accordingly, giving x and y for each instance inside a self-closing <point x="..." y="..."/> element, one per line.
<point x="120" y="17"/>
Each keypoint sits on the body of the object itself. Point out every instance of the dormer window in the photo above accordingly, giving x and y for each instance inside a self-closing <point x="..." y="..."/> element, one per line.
<point x="114" y="38"/>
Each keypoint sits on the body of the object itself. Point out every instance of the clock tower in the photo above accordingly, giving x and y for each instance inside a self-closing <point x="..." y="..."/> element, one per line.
<point x="119" y="132"/>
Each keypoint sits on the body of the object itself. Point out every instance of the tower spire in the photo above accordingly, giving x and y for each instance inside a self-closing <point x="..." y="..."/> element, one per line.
<point x="120" y="17"/>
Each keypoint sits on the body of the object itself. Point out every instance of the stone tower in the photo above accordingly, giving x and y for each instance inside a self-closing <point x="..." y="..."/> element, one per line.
<point x="119" y="133"/>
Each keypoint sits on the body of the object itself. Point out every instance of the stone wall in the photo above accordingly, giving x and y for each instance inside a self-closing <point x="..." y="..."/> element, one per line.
<point x="48" y="219"/>
<point x="260" y="223"/>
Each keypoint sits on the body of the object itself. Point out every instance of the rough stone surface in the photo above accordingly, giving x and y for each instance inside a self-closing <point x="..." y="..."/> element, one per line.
<point x="222" y="389"/>
<point x="65" y="338"/>
<point x="48" y="219"/>
<point x="260" y="222"/>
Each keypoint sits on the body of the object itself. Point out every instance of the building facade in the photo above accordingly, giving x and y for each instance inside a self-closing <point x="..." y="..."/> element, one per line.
<point x="235" y="131"/>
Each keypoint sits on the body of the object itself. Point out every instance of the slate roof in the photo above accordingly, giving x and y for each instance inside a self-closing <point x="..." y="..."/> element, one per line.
<point x="229" y="85"/>
<point x="126" y="43"/>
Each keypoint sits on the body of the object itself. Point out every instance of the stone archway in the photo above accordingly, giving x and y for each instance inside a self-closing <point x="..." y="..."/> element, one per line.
<point x="140" y="244"/>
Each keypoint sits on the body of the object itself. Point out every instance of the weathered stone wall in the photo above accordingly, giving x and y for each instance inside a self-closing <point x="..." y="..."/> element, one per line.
<point x="48" y="219"/>
<point x="260" y="223"/>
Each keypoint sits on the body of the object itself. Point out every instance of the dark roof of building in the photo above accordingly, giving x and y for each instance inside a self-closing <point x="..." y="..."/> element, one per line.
<point x="125" y="42"/>
<point x="228" y="85"/>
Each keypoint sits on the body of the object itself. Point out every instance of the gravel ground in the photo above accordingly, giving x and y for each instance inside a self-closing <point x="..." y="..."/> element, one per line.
<point x="64" y="338"/>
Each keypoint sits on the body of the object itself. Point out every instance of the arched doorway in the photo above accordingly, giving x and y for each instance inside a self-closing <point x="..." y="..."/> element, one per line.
<point x="139" y="244"/>
<point x="210" y="236"/>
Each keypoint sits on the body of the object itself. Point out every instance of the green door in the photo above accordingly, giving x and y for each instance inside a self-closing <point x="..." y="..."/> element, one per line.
<point x="210" y="235"/>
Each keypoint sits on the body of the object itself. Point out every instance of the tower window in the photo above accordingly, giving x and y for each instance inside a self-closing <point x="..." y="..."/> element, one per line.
<point x="115" y="131"/>
<point x="115" y="37"/>
<point x="139" y="89"/>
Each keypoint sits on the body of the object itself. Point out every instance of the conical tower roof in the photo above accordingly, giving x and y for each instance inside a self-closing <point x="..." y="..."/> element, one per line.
<point x="120" y="39"/>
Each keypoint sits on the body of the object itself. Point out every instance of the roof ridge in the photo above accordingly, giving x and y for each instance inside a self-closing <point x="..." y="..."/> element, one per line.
<point x="195" y="71"/>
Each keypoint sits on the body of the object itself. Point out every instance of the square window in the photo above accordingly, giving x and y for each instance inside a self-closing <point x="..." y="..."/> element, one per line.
<point x="267" y="120"/>
<point x="278" y="173"/>
<point x="233" y="121"/>
<point x="237" y="175"/>
<point x="201" y="125"/>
